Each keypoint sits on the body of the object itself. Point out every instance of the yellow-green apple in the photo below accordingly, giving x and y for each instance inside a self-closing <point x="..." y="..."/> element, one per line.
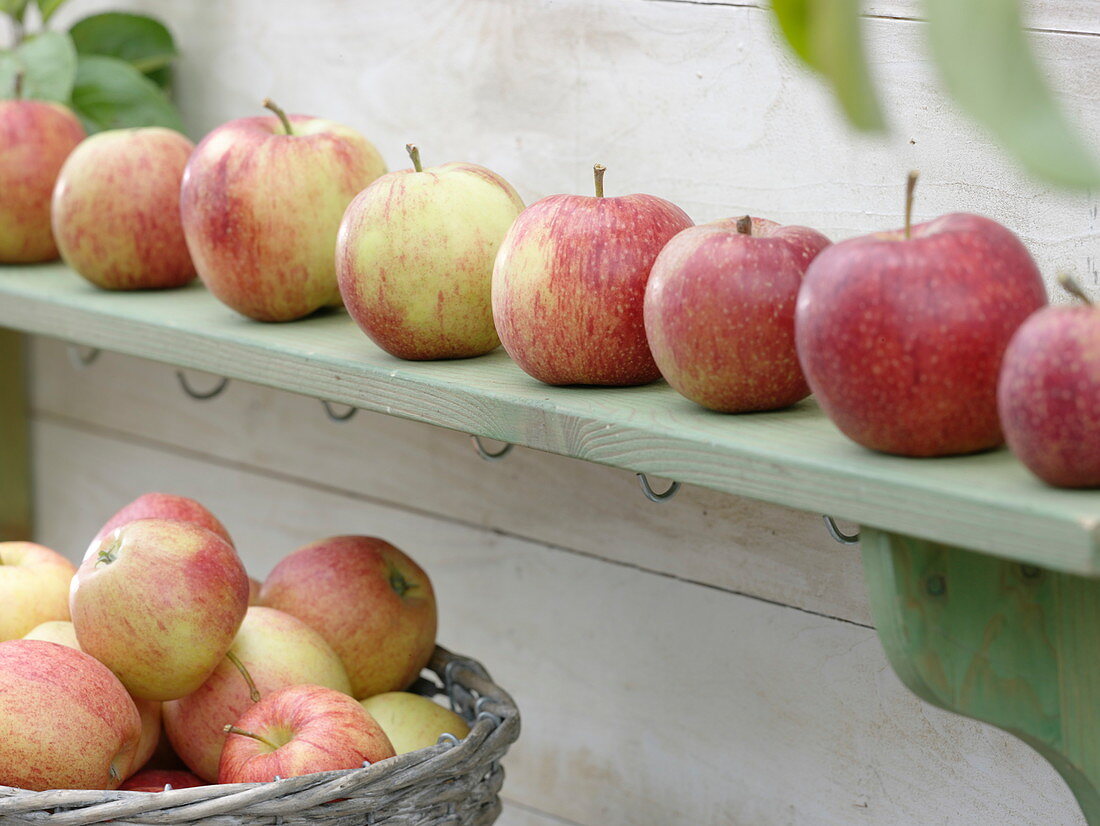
<point x="370" y="601"/>
<point x="34" y="587"/>
<point x="159" y="602"/>
<point x="35" y="138"/>
<point x="66" y="722"/>
<point x="719" y="312"/>
<point x="261" y="203"/>
<point x="165" y="506"/>
<point x="413" y="721"/>
<point x="569" y="283"/>
<point x="1049" y="392"/>
<point x="272" y="650"/>
<point x="58" y="631"/>
<point x="414" y="258"/>
<point x="901" y="334"/>
<point x="116" y="213"/>
<point x="158" y="780"/>
<point x="301" y="729"/>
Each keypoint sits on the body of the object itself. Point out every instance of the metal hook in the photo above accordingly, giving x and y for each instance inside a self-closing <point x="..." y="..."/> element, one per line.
<point x="839" y="535"/>
<point x="486" y="455"/>
<point x="339" y="417"/>
<point x="448" y="738"/>
<point x="657" y="497"/>
<point x="80" y="360"/>
<point x="194" y="394"/>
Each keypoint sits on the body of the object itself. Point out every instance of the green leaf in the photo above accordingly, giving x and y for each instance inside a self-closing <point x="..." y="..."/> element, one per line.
<point x="48" y="7"/>
<point x="15" y="8"/>
<point x="111" y="94"/>
<point x="48" y="63"/>
<point x="983" y="56"/>
<point x="827" y="36"/>
<point x="139" y="40"/>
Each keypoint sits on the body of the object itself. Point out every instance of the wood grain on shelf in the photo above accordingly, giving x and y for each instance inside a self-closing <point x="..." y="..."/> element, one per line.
<point x="15" y="483"/>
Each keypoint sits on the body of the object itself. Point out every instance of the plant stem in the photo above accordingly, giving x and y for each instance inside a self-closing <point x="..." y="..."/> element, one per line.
<point x="414" y="153"/>
<point x="597" y="173"/>
<point x="20" y="76"/>
<point x="910" y="185"/>
<point x="270" y="104"/>
<point x="253" y="692"/>
<point x="744" y="225"/>
<point x="231" y="729"/>
<point x="1070" y="285"/>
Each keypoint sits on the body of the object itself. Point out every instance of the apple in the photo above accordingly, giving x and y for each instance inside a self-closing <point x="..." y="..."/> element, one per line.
<point x="58" y="631"/>
<point x="165" y="506"/>
<point x="413" y="721"/>
<point x="34" y="587"/>
<point x="569" y="283"/>
<point x="159" y="602"/>
<point x="254" y="586"/>
<point x="300" y="729"/>
<point x="158" y="780"/>
<point x="370" y="601"/>
<point x="719" y="312"/>
<point x="66" y="722"/>
<point x="414" y="258"/>
<point x="1049" y="392"/>
<point x="36" y="137"/>
<point x="901" y="334"/>
<point x="116" y="213"/>
<point x="272" y="650"/>
<point x="261" y="203"/>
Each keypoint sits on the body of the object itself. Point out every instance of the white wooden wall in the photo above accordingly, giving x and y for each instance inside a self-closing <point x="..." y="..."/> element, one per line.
<point x="708" y="661"/>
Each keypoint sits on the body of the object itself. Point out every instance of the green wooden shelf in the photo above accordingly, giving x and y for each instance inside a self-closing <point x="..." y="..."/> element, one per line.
<point x="988" y="503"/>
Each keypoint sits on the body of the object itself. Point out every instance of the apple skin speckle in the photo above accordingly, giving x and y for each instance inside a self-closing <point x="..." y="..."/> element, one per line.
<point x="901" y="340"/>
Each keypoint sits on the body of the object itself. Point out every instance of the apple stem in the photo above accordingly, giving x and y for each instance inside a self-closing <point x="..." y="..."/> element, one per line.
<point x="231" y="729"/>
<point x="910" y="185"/>
<point x="414" y="153"/>
<point x="270" y="104"/>
<point x="253" y="692"/>
<point x="107" y="555"/>
<point x="597" y="173"/>
<point x="1070" y="285"/>
<point x="20" y="76"/>
<point x="399" y="584"/>
<point x="744" y="225"/>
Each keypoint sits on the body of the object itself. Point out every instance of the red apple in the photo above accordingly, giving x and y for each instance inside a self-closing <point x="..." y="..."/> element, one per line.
<point x="156" y="780"/>
<point x="1049" y="393"/>
<point x="719" y="312"/>
<point x="370" y="601"/>
<point x="901" y="334"/>
<point x="272" y="650"/>
<point x="261" y="203"/>
<point x="66" y="722"/>
<point x="414" y="258"/>
<point x="34" y="587"/>
<point x="36" y="137"/>
<point x="159" y="602"/>
<point x="569" y="283"/>
<point x="165" y="506"/>
<point x="116" y="215"/>
<point x="298" y="730"/>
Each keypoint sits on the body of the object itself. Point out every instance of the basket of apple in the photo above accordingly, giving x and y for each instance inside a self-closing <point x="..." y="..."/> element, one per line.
<point x="158" y="683"/>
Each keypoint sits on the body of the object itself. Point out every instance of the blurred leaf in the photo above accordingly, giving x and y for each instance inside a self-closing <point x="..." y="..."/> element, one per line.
<point x="139" y="40"/>
<point x="163" y="78"/>
<point x="48" y="63"/>
<point x="827" y="36"/>
<point x="111" y="94"/>
<point x="987" y="66"/>
<point x="13" y="7"/>
<point x="48" y="7"/>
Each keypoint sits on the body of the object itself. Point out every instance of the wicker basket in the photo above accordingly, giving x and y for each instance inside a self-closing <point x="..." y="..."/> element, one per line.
<point x="452" y="782"/>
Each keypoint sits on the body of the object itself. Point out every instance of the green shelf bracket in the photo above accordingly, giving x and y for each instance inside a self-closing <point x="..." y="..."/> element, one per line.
<point x="15" y="455"/>
<point x="1013" y="645"/>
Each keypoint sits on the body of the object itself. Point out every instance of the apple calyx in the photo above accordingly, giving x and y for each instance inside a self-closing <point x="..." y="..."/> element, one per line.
<point x="107" y="555"/>
<point x="270" y="104"/>
<point x="232" y="729"/>
<point x="414" y="153"/>
<point x="253" y="692"/>
<point x="597" y="174"/>
<point x="1070" y="285"/>
<point x="20" y="76"/>
<point x="744" y="225"/>
<point x="910" y="185"/>
<point x="399" y="583"/>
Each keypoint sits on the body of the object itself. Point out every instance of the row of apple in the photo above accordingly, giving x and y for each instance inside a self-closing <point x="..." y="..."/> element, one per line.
<point x="161" y="630"/>
<point x="901" y="336"/>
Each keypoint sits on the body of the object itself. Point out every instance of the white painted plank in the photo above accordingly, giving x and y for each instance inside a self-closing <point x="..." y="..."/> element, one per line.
<point x="646" y="700"/>
<point x="730" y="542"/>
